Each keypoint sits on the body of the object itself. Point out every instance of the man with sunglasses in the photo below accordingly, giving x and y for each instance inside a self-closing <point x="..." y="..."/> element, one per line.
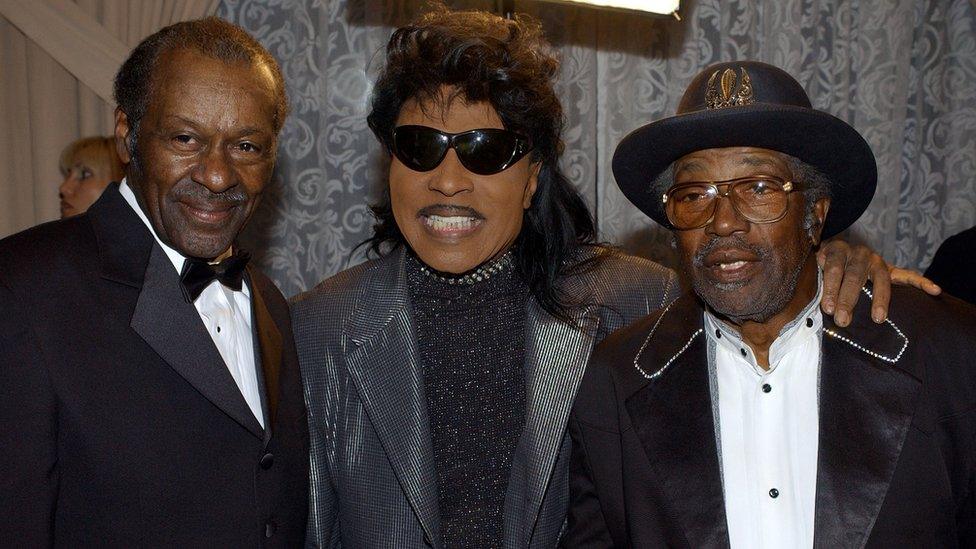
<point x="739" y="415"/>
<point x="439" y="377"/>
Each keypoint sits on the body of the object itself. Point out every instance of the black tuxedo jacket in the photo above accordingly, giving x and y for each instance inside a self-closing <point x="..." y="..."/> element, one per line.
<point x="121" y="425"/>
<point x="897" y="447"/>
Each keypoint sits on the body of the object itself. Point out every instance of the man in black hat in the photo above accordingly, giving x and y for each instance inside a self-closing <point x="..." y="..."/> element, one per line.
<point x="739" y="415"/>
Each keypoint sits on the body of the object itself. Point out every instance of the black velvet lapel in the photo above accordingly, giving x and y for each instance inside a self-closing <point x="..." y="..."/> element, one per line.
<point x="267" y="353"/>
<point x="672" y="417"/>
<point x="866" y="408"/>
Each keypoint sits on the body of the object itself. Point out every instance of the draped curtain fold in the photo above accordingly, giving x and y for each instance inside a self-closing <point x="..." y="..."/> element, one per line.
<point x="57" y="61"/>
<point x="902" y="72"/>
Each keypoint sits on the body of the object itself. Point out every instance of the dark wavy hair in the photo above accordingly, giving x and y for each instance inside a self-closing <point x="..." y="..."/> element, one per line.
<point x="509" y="64"/>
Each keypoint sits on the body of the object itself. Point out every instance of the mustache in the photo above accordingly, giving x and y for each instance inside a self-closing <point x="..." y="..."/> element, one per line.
<point x="450" y="209"/>
<point x="188" y="191"/>
<point x="728" y="242"/>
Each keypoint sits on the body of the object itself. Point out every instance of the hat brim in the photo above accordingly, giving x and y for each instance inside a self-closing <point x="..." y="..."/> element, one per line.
<point x="817" y="138"/>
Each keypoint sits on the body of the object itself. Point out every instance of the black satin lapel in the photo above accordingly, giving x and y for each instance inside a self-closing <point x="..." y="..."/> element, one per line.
<point x="672" y="417"/>
<point x="866" y="408"/>
<point x="268" y="353"/>
<point x="172" y="327"/>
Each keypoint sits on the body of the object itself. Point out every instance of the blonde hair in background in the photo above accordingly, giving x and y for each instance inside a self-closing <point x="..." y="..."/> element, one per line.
<point x="97" y="152"/>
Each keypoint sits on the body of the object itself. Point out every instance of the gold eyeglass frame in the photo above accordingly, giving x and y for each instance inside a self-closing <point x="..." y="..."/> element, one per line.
<point x="788" y="187"/>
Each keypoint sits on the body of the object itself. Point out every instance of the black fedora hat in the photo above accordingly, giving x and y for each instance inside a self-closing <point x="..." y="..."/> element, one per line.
<point x="749" y="104"/>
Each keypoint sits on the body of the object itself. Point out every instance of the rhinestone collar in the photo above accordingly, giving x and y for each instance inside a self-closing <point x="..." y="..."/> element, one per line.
<point x="859" y="347"/>
<point x="503" y="263"/>
<point x="829" y="332"/>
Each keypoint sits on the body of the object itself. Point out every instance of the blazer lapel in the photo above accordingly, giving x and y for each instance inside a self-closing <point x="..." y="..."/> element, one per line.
<point x="267" y="355"/>
<point x="555" y="359"/>
<point x="129" y="255"/>
<point x="172" y="327"/>
<point x="124" y="243"/>
<point x="866" y="408"/>
<point x="385" y="365"/>
<point x="672" y="418"/>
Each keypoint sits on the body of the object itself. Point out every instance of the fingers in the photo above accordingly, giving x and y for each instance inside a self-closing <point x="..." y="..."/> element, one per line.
<point x="832" y="258"/>
<point x="908" y="277"/>
<point x="859" y="264"/>
<point x="881" y="286"/>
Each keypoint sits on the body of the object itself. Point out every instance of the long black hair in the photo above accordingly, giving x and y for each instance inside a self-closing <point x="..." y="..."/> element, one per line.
<point x="509" y="64"/>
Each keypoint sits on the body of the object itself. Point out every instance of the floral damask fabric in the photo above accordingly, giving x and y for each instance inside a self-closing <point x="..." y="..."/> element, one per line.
<point x="902" y="72"/>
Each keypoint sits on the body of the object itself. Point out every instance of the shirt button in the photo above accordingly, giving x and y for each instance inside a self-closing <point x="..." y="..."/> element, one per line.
<point x="267" y="461"/>
<point x="809" y="323"/>
<point x="773" y="493"/>
<point x="269" y="528"/>
<point x="743" y="351"/>
<point x="218" y="329"/>
<point x="766" y="388"/>
<point x="718" y="334"/>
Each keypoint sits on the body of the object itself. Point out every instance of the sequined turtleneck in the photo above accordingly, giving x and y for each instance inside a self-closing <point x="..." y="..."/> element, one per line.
<point x="472" y="341"/>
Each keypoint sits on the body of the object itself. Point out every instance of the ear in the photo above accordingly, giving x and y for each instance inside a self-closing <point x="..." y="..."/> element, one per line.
<point x="820" y="210"/>
<point x="122" y="130"/>
<point x="531" y="185"/>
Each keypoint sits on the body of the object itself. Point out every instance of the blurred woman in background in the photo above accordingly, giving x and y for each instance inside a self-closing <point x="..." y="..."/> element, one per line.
<point x="88" y="166"/>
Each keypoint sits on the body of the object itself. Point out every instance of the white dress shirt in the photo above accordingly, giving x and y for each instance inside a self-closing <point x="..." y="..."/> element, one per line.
<point x="768" y="432"/>
<point x="225" y="313"/>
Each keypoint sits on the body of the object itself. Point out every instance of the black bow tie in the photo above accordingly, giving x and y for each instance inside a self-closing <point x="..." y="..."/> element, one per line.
<point x="198" y="274"/>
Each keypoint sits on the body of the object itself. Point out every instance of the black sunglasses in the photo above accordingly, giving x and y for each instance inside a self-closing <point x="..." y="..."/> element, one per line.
<point x="484" y="151"/>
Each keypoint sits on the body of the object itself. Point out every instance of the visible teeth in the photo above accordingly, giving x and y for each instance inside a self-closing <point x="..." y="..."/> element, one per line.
<point x="452" y="223"/>
<point x="730" y="266"/>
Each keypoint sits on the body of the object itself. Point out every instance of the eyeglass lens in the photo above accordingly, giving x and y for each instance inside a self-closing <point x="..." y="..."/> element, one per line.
<point x="758" y="200"/>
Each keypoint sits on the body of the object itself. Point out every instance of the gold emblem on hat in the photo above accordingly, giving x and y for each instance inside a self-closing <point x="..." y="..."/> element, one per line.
<point x="726" y="94"/>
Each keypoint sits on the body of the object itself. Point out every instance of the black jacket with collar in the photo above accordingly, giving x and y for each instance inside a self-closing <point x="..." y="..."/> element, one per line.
<point x="122" y="426"/>
<point x="897" y="442"/>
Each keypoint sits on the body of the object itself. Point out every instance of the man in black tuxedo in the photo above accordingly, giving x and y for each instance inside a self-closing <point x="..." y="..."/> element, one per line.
<point x="151" y="394"/>
<point x="739" y="415"/>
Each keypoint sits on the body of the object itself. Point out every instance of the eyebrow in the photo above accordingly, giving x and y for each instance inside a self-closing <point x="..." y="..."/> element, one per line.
<point x="692" y="166"/>
<point x="745" y="160"/>
<point x="181" y="119"/>
<point x="248" y="131"/>
<point x="757" y="161"/>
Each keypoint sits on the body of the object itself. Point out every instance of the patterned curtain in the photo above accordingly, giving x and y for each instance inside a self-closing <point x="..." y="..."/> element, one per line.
<point x="902" y="72"/>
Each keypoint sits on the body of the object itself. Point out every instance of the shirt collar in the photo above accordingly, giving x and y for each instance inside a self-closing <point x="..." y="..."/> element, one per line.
<point x="174" y="256"/>
<point x="806" y="324"/>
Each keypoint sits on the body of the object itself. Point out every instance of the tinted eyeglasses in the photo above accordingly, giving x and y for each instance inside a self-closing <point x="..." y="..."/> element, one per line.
<point x="757" y="198"/>
<point x="484" y="151"/>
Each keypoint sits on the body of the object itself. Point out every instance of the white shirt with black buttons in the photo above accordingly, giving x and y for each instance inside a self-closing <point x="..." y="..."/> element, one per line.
<point x="768" y="431"/>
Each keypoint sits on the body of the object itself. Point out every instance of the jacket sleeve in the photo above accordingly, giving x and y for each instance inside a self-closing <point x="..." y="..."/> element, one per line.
<point x="586" y="525"/>
<point x="595" y="497"/>
<point x="28" y="407"/>
<point x="323" y="509"/>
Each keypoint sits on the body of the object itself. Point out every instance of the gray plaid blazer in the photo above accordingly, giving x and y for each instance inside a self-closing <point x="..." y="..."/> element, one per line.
<point x="372" y="466"/>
